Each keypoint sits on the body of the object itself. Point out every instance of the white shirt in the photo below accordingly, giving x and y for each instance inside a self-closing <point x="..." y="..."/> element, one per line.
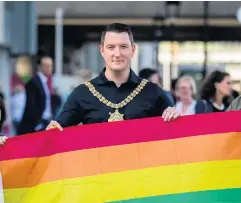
<point x="47" y="114"/>
<point x="220" y="108"/>
<point x="18" y="102"/>
<point x="190" y="110"/>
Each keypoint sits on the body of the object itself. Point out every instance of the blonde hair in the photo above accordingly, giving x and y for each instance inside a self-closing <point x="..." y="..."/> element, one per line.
<point x="191" y="82"/>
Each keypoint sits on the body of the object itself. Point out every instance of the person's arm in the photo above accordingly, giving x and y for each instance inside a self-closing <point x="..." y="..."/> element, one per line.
<point x="72" y="112"/>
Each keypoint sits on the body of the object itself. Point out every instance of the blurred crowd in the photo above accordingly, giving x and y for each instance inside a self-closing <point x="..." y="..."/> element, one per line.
<point x="214" y="95"/>
<point x="27" y="102"/>
<point x="28" y="98"/>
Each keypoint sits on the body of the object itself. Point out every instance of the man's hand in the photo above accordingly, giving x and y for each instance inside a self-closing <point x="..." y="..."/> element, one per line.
<point x="3" y="140"/>
<point x="170" y="113"/>
<point x="54" y="124"/>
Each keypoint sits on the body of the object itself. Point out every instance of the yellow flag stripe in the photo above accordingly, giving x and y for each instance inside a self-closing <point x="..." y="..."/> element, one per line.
<point x="133" y="184"/>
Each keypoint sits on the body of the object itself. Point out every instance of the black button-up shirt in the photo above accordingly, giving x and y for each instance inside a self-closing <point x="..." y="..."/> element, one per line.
<point x="83" y="107"/>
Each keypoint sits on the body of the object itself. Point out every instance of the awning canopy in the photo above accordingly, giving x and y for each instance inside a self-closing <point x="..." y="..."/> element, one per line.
<point x="135" y="9"/>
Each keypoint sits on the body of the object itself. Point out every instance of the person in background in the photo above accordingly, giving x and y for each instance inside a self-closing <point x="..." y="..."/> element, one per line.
<point x="56" y="103"/>
<point x="16" y="81"/>
<point x="1" y="92"/>
<point x="1" y="95"/>
<point x="18" y="101"/>
<point x="173" y="90"/>
<point x="2" y="119"/>
<point x="154" y="77"/>
<point x="235" y="94"/>
<point x="18" y="97"/>
<point x="38" y="109"/>
<point x="186" y="90"/>
<point x="228" y="100"/>
<point x="235" y="105"/>
<point x="215" y="89"/>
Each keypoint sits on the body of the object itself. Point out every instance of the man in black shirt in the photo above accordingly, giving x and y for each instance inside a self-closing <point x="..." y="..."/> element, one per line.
<point x="117" y="93"/>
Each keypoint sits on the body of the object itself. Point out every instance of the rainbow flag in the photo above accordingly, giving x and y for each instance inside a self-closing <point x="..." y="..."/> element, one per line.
<point x="196" y="159"/>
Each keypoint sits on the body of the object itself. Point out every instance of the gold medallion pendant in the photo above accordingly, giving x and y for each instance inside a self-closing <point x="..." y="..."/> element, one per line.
<point x="116" y="116"/>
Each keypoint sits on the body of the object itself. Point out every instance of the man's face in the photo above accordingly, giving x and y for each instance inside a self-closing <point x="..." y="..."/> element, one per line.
<point x="46" y="66"/>
<point x="117" y="51"/>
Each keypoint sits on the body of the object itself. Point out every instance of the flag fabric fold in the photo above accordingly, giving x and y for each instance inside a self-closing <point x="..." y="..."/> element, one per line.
<point x="193" y="159"/>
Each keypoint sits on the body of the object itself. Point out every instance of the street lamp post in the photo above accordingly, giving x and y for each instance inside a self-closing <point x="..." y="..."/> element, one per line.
<point x="59" y="41"/>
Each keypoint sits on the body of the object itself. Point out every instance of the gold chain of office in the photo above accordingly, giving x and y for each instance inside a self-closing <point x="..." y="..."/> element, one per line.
<point x="116" y="116"/>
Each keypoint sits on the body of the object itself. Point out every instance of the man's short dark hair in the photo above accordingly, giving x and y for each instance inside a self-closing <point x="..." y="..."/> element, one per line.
<point x="42" y="57"/>
<point x="117" y="28"/>
<point x="146" y="73"/>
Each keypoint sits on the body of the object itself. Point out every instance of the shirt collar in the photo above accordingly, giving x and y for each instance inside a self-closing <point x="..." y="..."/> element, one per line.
<point x="43" y="78"/>
<point x="101" y="79"/>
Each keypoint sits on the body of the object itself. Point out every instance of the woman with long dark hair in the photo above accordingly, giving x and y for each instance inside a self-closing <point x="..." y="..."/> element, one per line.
<point x="215" y="91"/>
<point x="2" y="119"/>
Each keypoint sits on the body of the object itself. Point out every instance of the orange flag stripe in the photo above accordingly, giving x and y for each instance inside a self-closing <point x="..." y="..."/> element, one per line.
<point x="28" y="172"/>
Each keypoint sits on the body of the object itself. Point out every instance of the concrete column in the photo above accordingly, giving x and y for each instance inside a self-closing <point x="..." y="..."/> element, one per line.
<point x="166" y="75"/>
<point x="174" y="60"/>
<point x="59" y="42"/>
<point x="92" y="54"/>
<point x="5" y="74"/>
<point x="135" y="61"/>
<point x="5" y="71"/>
<point x="146" y="55"/>
<point x="101" y="61"/>
<point x="21" y="27"/>
<point x="2" y="22"/>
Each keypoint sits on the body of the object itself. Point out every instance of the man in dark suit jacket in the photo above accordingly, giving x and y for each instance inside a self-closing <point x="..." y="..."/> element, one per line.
<point x="38" y="110"/>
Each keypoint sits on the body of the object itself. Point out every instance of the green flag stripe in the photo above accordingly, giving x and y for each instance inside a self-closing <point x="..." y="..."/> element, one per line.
<point x="212" y="196"/>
